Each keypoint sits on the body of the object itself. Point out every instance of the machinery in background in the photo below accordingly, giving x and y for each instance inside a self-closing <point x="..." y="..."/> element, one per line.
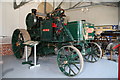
<point x="107" y="43"/>
<point x="69" y="40"/>
<point x="111" y="43"/>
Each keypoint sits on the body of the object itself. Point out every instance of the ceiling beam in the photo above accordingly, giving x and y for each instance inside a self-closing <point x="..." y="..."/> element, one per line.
<point x="60" y="3"/>
<point x="76" y="4"/>
<point x="94" y="4"/>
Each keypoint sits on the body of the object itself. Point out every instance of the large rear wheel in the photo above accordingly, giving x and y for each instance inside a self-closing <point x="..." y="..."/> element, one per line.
<point x="18" y="38"/>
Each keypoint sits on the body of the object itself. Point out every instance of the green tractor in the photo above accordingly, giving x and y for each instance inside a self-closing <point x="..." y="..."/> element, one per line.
<point x="71" y="41"/>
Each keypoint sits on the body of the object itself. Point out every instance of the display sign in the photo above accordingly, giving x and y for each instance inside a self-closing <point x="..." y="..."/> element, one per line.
<point x="46" y="30"/>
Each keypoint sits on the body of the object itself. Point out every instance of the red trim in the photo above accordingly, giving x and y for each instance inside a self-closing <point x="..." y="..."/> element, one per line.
<point x="116" y="46"/>
<point x="65" y="24"/>
<point x="54" y="25"/>
<point x="119" y="64"/>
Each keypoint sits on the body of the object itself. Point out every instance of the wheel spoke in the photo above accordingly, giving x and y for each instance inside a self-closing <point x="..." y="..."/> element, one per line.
<point x="88" y="50"/>
<point x="91" y="57"/>
<point x="17" y="39"/>
<point x="74" y="56"/>
<point x="17" y="50"/>
<point x="61" y="60"/>
<point x="69" y="49"/>
<point x="71" y="69"/>
<point x="64" y="66"/>
<point x="95" y="59"/>
<point x="97" y="55"/>
<point x="95" y="49"/>
<point x="76" y="66"/>
<point x="68" y="59"/>
<point x="73" y="51"/>
<point x="88" y="56"/>
<point x="92" y="51"/>
<point x="75" y="62"/>
<point x="63" y="51"/>
<point x="94" y="46"/>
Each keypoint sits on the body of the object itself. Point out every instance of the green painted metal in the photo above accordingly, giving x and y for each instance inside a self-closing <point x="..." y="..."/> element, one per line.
<point x="31" y="21"/>
<point x="90" y="51"/>
<point x="93" y="52"/>
<point x="75" y="29"/>
<point x="78" y="29"/>
<point x="17" y="40"/>
<point x="54" y="37"/>
<point x="28" y="62"/>
<point x="47" y="31"/>
<point x="69" y="60"/>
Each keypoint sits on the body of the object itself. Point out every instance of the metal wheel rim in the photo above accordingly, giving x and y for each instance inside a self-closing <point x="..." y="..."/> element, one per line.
<point x="102" y="44"/>
<point x="20" y="36"/>
<point x="70" y="63"/>
<point x="93" y="52"/>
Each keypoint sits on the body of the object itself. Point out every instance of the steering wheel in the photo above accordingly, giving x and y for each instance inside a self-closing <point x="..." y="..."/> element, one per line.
<point x="58" y="13"/>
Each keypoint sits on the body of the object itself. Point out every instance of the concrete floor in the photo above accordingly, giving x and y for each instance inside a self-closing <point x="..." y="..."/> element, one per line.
<point x="13" y="68"/>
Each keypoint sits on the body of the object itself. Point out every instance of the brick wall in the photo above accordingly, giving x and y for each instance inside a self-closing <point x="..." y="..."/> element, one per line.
<point x="6" y="49"/>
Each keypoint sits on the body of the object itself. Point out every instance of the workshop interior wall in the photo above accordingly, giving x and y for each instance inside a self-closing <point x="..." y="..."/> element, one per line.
<point x="15" y="18"/>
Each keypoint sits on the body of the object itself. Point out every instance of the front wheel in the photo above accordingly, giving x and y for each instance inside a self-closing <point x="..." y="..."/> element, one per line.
<point x="70" y="60"/>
